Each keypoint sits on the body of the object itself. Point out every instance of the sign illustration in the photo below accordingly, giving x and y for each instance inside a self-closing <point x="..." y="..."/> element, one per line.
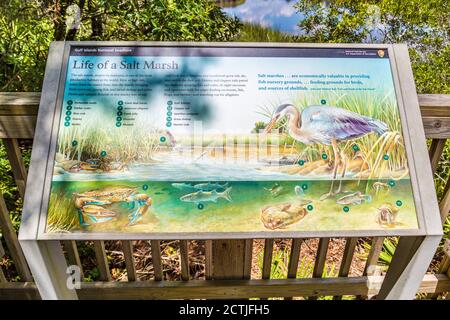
<point x="210" y="139"/>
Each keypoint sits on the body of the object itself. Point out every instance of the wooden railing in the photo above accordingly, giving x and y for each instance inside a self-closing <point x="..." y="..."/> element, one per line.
<point x="227" y="262"/>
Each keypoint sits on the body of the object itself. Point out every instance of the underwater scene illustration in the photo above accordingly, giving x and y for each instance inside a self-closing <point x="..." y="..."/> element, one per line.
<point x="230" y="144"/>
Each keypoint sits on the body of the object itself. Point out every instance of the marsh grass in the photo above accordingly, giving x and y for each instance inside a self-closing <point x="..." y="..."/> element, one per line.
<point x="61" y="217"/>
<point x="125" y="144"/>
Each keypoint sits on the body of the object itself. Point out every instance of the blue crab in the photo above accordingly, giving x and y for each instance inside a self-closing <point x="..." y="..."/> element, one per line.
<point x="94" y="204"/>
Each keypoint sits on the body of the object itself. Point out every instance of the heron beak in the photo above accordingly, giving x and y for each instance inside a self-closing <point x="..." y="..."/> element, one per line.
<point x="271" y="124"/>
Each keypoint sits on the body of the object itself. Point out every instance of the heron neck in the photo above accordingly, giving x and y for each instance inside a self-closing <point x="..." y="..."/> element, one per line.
<point x="295" y="126"/>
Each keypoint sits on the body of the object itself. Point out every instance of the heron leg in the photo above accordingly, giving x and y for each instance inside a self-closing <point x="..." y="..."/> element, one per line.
<point x="337" y="159"/>
<point x="344" y="169"/>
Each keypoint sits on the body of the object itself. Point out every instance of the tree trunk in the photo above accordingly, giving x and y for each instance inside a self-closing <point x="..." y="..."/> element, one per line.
<point x="96" y="20"/>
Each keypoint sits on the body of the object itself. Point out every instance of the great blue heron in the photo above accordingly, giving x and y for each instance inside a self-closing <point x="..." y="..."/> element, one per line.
<point x="326" y="125"/>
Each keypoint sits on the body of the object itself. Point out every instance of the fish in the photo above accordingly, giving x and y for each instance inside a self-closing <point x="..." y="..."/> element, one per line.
<point x="210" y="186"/>
<point x="354" y="198"/>
<point x="275" y="190"/>
<point x="299" y="191"/>
<point x="184" y="186"/>
<point x="205" y="196"/>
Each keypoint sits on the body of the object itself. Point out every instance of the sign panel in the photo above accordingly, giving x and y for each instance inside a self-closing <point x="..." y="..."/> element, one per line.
<point x="166" y="140"/>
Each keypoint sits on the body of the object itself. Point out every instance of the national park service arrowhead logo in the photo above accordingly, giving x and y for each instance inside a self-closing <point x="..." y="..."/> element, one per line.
<point x="381" y="53"/>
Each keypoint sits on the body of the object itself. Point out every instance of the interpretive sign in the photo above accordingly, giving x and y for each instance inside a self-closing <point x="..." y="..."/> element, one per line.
<point x="158" y="140"/>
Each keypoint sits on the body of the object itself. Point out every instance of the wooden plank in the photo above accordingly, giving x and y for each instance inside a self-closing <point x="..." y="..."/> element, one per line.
<point x="2" y="253"/>
<point x="267" y="260"/>
<point x="156" y="259"/>
<point x="444" y="267"/>
<point x="2" y="276"/>
<point x="293" y="259"/>
<point x="226" y="289"/>
<point x="228" y="259"/>
<point x="347" y="258"/>
<point x="437" y="127"/>
<point x="19" y="291"/>
<point x="434" y="100"/>
<point x="200" y="289"/>
<point x="374" y="255"/>
<point x="127" y="248"/>
<point x="22" y="127"/>
<point x="19" y="127"/>
<point x="208" y="259"/>
<point x="248" y="255"/>
<point x="16" y="160"/>
<point x="102" y="260"/>
<point x="20" y="98"/>
<point x="33" y="98"/>
<point x="25" y="105"/>
<point x="321" y="257"/>
<point x="184" y="258"/>
<point x="349" y="250"/>
<point x="13" y="243"/>
<point x="319" y="263"/>
<point x="401" y="276"/>
<point x="73" y="257"/>
<point x="436" y="149"/>
<point x="444" y="204"/>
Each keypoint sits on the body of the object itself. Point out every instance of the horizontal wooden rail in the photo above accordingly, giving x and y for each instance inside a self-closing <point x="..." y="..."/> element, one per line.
<point x="18" y="113"/>
<point x="226" y="289"/>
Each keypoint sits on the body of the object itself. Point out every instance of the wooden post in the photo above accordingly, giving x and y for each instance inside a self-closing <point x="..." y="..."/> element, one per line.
<point x="2" y="253"/>
<point x="102" y="260"/>
<point x="12" y="243"/>
<point x="127" y="248"/>
<point x="17" y="165"/>
<point x="48" y="265"/>
<point x="228" y="259"/>
<point x="410" y="262"/>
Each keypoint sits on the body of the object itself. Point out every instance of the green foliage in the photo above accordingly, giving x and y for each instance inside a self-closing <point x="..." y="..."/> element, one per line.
<point x="423" y="25"/>
<point x="256" y="33"/>
<point x="27" y="28"/>
<point x="168" y="20"/>
<point x="8" y="189"/>
<point x="443" y="171"/>
<point x="24" y="42"/>
<point x="387" y="251"/>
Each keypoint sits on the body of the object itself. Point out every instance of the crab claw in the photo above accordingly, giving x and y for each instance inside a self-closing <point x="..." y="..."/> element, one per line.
<point x="144" y="202"/>
<point x="96" y="214"/>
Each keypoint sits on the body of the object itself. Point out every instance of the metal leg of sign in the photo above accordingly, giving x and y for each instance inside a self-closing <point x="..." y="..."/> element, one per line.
<point x="49" y="268"/>
<point x="408" y="266"/>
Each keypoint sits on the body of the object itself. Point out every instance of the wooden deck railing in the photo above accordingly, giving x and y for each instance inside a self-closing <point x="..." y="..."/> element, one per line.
<point x="18" y="112"/>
